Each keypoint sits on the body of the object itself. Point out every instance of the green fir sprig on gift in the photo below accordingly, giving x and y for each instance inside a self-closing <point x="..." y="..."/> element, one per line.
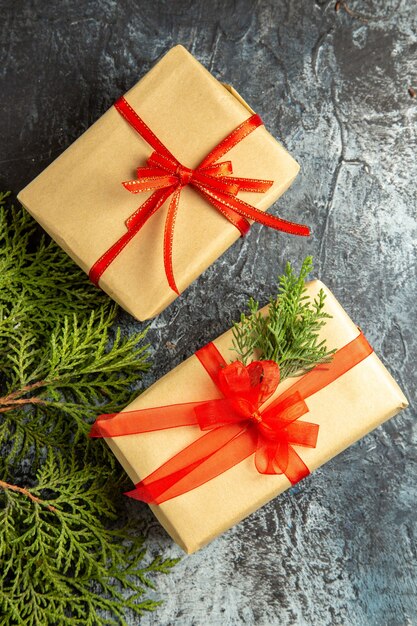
<point x="289" y="332"/>
<point x="65" y="556"/>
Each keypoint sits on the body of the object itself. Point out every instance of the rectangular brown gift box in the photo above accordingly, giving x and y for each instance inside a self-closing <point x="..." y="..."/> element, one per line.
<point x="345" y="411"/>
<point x="80" y="201"/>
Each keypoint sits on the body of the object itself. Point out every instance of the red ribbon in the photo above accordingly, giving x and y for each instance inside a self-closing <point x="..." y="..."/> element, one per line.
<point x="165" y="176"/>
<point x="237" y="424"/>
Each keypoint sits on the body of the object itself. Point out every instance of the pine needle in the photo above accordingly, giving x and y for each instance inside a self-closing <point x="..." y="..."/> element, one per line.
<point x="289" y="333"/>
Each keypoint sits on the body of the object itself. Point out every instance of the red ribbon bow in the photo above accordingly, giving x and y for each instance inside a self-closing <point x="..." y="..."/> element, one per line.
<point x="275" y="429"/>
<point x="165" y="176"/>
<point x="237" y="425"/>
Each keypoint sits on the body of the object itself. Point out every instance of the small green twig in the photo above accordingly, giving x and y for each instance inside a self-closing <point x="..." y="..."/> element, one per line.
<point x="288" y="332"/>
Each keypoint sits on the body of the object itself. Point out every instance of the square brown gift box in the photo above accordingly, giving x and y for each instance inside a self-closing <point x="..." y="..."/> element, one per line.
<point x="345" y="410"/>
<point x="80" y="201"/>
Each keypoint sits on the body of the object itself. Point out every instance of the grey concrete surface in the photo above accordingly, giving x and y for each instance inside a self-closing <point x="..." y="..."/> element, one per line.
<point x="340" y="548"/>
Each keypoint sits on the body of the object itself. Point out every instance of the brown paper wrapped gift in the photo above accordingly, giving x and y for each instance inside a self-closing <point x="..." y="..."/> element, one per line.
<point x="80" y="201"/>
<point x="345" y="411"/>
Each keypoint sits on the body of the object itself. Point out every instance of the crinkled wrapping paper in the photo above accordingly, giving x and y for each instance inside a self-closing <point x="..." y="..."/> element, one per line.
<point x="80" y="201"/>
<point x="345" y="410"/>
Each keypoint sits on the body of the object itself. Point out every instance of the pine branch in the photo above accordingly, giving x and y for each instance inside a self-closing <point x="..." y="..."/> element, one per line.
<point x="64" y="557"/>
<point x="289" y="332"/>
<point x="73" y="374"/>
<point x="69" y="559"/>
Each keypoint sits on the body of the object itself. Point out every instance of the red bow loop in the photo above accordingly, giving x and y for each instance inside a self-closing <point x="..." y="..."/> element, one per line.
<point x="163" y="162"/>
<point x="279" y="430"/>
<point x="149" y="181"/>
<point x="248" y="387"/>
<point x="225" y="168"/>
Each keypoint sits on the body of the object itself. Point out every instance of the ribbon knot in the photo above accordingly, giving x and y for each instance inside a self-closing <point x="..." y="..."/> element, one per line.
<point x="165" y="177"/>
<point x="257" y="417"/>
<point x="184" y="174"/>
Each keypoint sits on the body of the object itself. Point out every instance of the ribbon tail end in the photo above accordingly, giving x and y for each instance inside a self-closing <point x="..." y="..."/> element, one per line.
<point x="134" y="494"/>
<point x="140" y="493"/>
<point x="94" y="276"/>
<point x="95" y="431"/>
<point x="171" y="282"/>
